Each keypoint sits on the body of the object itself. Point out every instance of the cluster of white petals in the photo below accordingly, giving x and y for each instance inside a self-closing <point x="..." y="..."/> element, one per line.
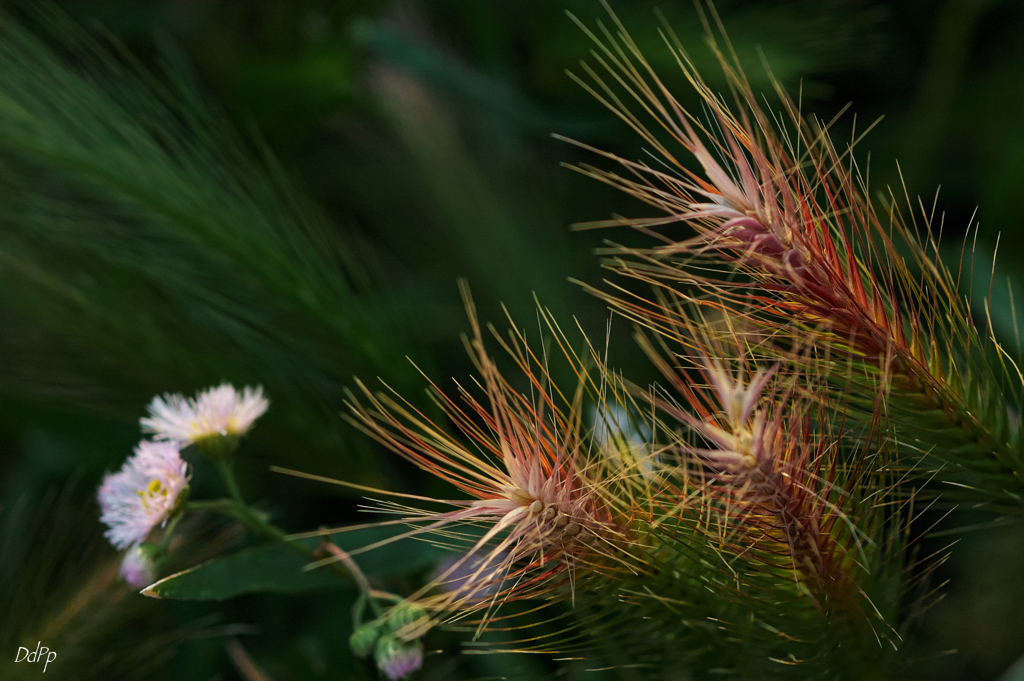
<point x="215" y="412"/>
<point x="143" y="493"/>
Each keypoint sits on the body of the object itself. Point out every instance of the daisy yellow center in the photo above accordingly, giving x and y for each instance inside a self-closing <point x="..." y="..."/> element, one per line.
<point x="155" y="490"/>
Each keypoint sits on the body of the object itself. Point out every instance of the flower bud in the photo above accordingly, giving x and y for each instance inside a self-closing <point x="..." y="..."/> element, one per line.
<point x="362" y="639"/>
<point x="397" y="658"/>
<point x="405" y="616"/>
<point x="138" y="565"/>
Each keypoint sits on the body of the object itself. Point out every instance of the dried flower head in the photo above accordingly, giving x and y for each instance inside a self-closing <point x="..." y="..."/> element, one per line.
<point x="147" y="490"/>
<point x="220" y="412"/>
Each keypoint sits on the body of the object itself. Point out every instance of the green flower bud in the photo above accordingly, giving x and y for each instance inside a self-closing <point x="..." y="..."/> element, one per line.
<point x="404" y="616"/>
<point x="362" y="639"/>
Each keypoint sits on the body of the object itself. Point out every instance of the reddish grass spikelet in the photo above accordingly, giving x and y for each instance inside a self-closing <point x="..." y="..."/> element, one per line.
<point x="788" y="213"/>
<point x="523" y="465"/>
<point x="786" y="240"/>
<point x="772" y="476"/>
<point x="778" y="490"/>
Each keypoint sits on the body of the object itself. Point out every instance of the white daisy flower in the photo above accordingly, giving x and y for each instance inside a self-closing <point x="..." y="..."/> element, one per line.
<point x="624" y="439"/>
<point x="215" y="412"/>
<point x="144" y="493"/>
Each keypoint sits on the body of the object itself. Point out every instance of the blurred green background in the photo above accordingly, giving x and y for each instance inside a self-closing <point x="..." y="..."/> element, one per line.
<point x="372" y="153"/>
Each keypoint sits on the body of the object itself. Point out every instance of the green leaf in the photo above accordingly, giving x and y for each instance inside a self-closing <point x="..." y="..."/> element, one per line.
<point x="279" y="568"/>
<point x="274" y="567"/>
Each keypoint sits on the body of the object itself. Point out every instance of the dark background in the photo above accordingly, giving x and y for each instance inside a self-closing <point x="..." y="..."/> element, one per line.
<point x="422" y="129"/>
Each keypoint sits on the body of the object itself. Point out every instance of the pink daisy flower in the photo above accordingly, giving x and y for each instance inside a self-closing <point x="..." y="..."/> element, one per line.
<point x="215" y="412"/>
<point x="144" y="493"/>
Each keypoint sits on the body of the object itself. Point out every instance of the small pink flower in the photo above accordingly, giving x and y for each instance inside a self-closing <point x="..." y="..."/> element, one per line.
<point x="144" y="493"/>
<point x="215" y="412"/>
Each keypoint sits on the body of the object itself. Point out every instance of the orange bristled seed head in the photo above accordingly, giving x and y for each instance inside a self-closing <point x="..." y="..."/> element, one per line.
<point x="785" y="209"/>
<point x="535" y="508"/>
<point x="788" y="244"/>
<point x="772" y="473"/>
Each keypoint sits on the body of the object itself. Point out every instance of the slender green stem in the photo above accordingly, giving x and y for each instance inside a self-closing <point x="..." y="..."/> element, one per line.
<point x="252" y="519"/>
<point x="166" y="540"/>
<point x="236" y="508"/>
<point x="211" y="505"/>
<point x="357" y="610"/>
<point x="229" y="479"/>
<point x="228" y="507"/>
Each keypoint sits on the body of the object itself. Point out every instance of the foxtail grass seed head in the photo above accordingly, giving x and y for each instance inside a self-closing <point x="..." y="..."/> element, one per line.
<point x="213" y="420"/>
<point x="150" y="488"/>
<point x="744" y="438"/>
<point x="783" y="207"/>
<point x="771" y="466"/>
<point x="788" y="238"/>
<point x="532" y="505"/>
<point x="524" y="468"/>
